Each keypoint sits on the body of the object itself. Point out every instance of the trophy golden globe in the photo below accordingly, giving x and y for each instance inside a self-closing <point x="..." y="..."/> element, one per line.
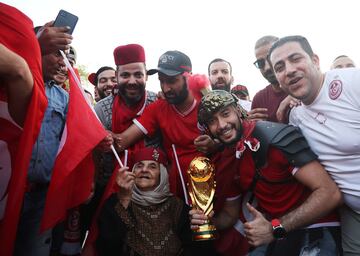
<point x="201" y="185"/>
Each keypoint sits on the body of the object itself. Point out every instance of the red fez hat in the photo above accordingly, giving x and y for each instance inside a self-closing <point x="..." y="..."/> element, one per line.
<point x="91" y="78"/>
<point x="149" y="153"/>
<point x="130" y="53"/>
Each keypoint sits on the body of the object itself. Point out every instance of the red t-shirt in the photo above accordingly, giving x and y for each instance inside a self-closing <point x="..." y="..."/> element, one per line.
<point x="225" y="172"/>
<point x="276" y="199"/>
<point x="122" y="116"/>
<point x="268" y="98"/>
<point x="176" y="128"/>
<point x="231" y="241"/>
<point x="279" y="197"/>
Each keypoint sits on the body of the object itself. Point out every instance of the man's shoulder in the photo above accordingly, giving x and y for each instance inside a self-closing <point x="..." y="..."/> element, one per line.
<point x="159" y="103"/>
<point x="268" y="91"/>
<point x="105" y="102"/>
<point x="261" y="95"/>
<point x="56" y="87"/>
<point x="263" y="90"/>
<point x="266" y="130"/>
<point x="351" y="75"/>
<point x="268" y="96"/>
<point x="58" y="92"/>
<point x="151" y="96"/>
<point x="286" y="138"/>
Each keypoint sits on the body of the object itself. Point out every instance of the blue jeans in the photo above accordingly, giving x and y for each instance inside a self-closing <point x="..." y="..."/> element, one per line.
<point x="29" y="241"/>
<point x="307" y="242"/>
<point x="324" y="246"/>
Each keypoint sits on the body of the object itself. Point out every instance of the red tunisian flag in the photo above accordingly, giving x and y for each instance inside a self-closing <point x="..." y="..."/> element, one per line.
<point x="16" y="33"/>
<point x="73" y="172"/>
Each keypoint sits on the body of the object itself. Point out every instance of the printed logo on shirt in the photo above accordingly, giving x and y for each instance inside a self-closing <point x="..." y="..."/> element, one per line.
<point x="335" y="89"/>
<point x="320" y="117"/>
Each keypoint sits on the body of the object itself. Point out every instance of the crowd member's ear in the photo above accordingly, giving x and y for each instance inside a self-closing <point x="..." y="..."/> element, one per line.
<point x="315" y="59"/>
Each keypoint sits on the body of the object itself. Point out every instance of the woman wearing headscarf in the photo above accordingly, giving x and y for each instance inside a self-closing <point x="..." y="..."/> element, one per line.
<point x="143" y="217"/>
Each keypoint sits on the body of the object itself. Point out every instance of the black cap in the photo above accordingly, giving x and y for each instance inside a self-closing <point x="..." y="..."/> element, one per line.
<point x="172" y="63"/>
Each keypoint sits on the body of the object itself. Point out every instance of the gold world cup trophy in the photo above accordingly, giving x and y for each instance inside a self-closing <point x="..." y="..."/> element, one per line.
<point x="201" y="186"/>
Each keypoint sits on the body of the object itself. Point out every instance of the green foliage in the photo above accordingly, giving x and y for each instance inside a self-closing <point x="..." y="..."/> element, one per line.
<point x="83" y="72"/>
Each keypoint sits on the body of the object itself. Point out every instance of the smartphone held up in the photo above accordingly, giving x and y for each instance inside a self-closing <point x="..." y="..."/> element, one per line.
<point x="66" y="19"/>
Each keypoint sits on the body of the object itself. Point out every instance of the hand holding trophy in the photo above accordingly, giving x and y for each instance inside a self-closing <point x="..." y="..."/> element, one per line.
<point x="201" y="186"/>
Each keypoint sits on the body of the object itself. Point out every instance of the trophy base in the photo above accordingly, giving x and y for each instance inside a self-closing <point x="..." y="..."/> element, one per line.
<point x="205" y="232"/>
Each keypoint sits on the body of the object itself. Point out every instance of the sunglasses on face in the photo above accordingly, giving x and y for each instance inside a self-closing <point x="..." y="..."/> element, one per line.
<point x="260" y="63"/>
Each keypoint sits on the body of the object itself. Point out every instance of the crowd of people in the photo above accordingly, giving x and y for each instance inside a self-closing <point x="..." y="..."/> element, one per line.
<point x="286" y="163"/>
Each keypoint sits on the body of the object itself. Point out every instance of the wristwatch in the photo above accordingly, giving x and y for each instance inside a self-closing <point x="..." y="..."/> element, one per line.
<point x="279" y="231"/>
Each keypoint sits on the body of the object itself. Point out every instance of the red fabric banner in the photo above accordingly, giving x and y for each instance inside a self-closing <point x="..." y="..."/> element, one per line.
<point x="16" y="33"/>
<point x="73" y="172"/>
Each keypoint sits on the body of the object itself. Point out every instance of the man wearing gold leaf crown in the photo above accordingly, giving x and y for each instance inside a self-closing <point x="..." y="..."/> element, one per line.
<point x="276" y="165"/>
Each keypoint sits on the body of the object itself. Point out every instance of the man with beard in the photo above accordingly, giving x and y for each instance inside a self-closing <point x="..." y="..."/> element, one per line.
<point x="104" y="81"/>
<point x="117" y="111"/>
<point x="220" y="74"/>
<point x="276" y="165"/>
<point x="266" y="102"/>
<point x="175" y="117"/>
<point x="221" y="78"/>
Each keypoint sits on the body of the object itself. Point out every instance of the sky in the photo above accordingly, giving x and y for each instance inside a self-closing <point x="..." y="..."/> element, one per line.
<point x="204" y="30"/>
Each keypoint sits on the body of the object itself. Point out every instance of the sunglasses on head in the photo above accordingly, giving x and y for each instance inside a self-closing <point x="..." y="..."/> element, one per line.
<point x="260" y="63"/>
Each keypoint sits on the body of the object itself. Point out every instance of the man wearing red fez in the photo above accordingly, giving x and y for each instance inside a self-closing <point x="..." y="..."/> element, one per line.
<point x="129" y="100"/>
<point x="116" y="112"/>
